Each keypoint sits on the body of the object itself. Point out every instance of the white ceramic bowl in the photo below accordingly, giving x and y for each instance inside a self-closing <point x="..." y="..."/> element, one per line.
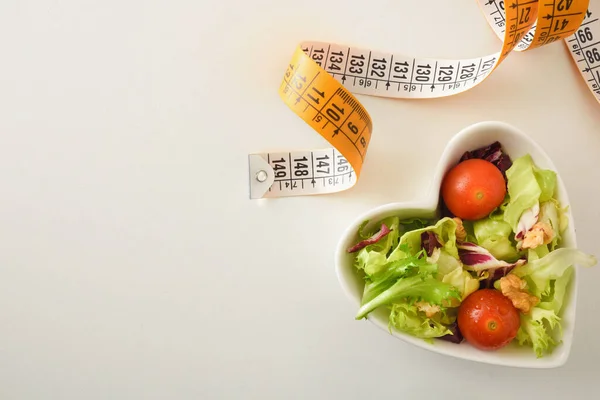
<point x="516" y="144"/>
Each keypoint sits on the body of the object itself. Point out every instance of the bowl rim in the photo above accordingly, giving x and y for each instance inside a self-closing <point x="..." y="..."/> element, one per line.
<point x="428" y="204"/>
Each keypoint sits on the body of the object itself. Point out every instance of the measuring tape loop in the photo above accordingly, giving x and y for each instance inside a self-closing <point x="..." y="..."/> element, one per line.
<point x="322" y="79"/>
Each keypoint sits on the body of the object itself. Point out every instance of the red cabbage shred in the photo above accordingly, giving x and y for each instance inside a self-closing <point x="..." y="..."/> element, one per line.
<point x="492" y="153"/>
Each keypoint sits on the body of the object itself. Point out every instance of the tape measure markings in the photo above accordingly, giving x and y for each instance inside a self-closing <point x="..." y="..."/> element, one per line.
<point x="409" y="74"/>
<point x="332" y="114"/>
<point x="302" y="172"/>
<point x="584" y="55"/>
<point x="322" y="78"/>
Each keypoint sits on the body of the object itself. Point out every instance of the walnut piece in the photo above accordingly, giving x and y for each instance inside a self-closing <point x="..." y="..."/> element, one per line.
<point x="461" y="233"/>
<point x="429" y="309"/>
<point x="541" y="233"/>
<point x="516" y="290"/>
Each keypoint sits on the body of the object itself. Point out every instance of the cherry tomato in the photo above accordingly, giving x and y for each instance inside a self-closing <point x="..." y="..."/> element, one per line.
<point x="473" y="188"/>
<point x="488" y="320"/>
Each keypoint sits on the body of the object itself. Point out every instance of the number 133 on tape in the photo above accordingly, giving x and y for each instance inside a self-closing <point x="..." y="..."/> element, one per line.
<point x="322" y="79"/>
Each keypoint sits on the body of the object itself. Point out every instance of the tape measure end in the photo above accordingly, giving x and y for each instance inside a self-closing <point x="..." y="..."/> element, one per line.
<point x="261" y="176"/>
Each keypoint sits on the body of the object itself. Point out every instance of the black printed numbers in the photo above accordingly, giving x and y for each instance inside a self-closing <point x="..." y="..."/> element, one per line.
<point x="280" y="168"/>
<point x="318" y="55"/>
<point x="356" y="64"/>
<point x="585" y="35"/>
<point x="335" y="61"/>
<point x="560" y="24"/>
<point x="315" y="95"/>
<point x="564" y="5"/>
<point x="445" y="73"/>
<point x="422" y="73"/>
<point x="524" y="15"/>
<point x="334" y="112"/>
<point x="301" y="166"/>
<point x="593" y="56"/>
<point x="400" y="70"/>
<point x="323" y="166"/>
<point x="378" y="67"/>
<point x="467" y="71"/>
<point x="353" y="128"/>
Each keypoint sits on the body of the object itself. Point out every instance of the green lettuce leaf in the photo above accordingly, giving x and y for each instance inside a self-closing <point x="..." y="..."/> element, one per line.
<point x="548" y="278"/>
<point x="541" y="271"/>
<point x="554" y="298"/>
<point x="407" y="225"/>
<point x="394" y="270"/>
<point x="462" y="280"/>
<point x="546" y="180"/>
<point x="422" y="286"/>
<point x="555" y="216"/>
<point x="451" y="271"/>
<point x="406" y="318"/>
<point x="527" y="185"/>
<point x="445" y="230"/>
<point x="538" y="330"/>
<point x="445" y="262"/>
<point x="537" y="253"/>
<point x="495" y="236"/>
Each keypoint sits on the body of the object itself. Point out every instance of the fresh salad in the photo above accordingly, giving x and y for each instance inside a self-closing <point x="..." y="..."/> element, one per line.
<point x="490" y="270"/>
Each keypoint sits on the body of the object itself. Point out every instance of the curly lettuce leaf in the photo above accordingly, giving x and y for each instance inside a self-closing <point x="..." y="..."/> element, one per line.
<point x="406" y="318"/>
<point x="407" y="274"/>
<point x="392" y="271"/>
<point x="548" y="278"/>
<point x="538" y="330"/>
<point x="527" y="185"/>
<point x="420" y="287"/>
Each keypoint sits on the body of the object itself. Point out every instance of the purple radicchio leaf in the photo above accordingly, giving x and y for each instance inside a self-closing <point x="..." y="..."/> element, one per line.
<point x="478" y="259"/>
<point x="492" y="153"/>
<point x="429" y="242"/>
<point x="455" y="337"/>
<point x="373" y="239"/>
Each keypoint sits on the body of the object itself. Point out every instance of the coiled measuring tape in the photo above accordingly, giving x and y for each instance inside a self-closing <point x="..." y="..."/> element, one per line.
<point x="322" y="78"/>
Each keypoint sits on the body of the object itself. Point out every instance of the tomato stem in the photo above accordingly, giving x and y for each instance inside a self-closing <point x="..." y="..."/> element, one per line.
<point x="492" y="325"/>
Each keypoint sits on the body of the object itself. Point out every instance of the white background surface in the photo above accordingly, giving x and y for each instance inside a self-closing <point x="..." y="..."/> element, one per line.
<point x="134" y="266"/>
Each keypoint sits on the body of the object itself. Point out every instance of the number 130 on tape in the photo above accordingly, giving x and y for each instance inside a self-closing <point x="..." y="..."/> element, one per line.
<point x="322" y="79"/>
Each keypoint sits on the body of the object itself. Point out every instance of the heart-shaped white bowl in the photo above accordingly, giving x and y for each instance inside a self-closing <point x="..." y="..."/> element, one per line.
<point x="516" y="144"/>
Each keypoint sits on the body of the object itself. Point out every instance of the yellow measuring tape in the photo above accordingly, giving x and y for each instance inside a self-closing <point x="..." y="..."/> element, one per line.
<point x="322" y="78"/>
